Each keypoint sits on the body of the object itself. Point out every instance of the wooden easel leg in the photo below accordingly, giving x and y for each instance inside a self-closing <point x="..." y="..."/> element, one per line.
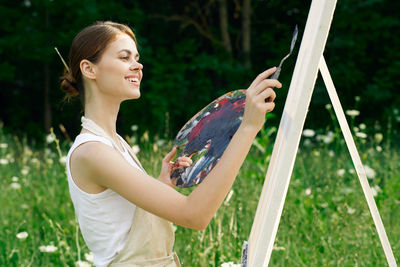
<point x="323" y="68"/>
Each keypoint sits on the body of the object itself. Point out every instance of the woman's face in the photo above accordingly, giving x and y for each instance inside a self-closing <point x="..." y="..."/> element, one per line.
<point x="118" y="73"/>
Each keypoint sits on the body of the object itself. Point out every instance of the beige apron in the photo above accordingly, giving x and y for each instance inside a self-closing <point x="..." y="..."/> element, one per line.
<point x="151" y="238"/>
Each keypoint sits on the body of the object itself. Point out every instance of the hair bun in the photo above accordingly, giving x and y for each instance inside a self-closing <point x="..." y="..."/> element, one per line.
<point x="69" y="85"/>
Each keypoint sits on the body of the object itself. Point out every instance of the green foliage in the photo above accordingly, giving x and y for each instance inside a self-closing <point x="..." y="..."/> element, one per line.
<point x="186" y="67"/>
<point x="325" y="221"/>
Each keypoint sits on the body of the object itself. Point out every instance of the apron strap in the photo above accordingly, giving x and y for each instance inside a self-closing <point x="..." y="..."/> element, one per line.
<point x="90" y="125"/>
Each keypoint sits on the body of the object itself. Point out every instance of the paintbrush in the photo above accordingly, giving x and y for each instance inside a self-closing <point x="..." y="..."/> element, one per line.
<point x="278" y="69"/>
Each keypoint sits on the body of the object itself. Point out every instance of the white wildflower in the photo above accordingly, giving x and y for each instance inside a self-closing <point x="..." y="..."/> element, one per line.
<point x="352" y="112"/>
<point x="134" y="128"/>
<point x="3" y="145"/>
<point x="35" y="161"/>
<point x="28" y="152"/>
<point x="160" y="142"/>
<point x="308" y="191"/>
<point x="278" y="248"/>
<point x="89" y="257"/>
<point x="324" y="205"/>
<point x="378" y="137"/>
<point x="352" y="171"/>
<point x="350" y="210"/>
<point x="22" y="235"/>
<point x="376" y="190"/>
<point x="361" y="135"/>
<point x="357" y="98"/>
<point x="15" y="186"/>
<point x="50" y="138"/>
<point x="49" y="161"/>
<point x="136" y="149"/>
<point x="48" y="249"/>
<point x="3" y="161"/>
<point x="341" y="172"/>
<point x="308" y="133"/>
<point x="362" y="126"/>
<point x="327" y="139"/>
<point x="63" y="160"/>
<point x="24" y="206"/>
<point x="331" y="153"/>
<point x="328" y="106"/>
<point x="346" y="190"/>
<point x="82" y="264"/>
<point x="230" y="264"/>
<point x="356" y="129"/>
<point x="369" y="172"/>
<point x="25" y="170"/>
<point x="378" y="148"/>
<point x="14" y="179"/>
<point x="316" y="153"/>
<point x="27" y="3"/>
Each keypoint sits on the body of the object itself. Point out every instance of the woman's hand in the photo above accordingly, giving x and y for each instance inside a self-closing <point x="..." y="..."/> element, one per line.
<point x="167" y="166"/>
<point x="260" y="99"/>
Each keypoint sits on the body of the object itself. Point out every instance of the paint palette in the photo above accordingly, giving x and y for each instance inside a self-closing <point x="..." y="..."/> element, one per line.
<point x="205" y="137"/>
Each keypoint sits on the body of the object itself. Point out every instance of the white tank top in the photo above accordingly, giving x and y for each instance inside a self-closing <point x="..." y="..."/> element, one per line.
<point x="104" y="218"/>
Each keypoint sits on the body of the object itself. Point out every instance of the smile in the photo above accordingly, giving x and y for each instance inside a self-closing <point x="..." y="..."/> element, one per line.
<point x="132" y="80"/>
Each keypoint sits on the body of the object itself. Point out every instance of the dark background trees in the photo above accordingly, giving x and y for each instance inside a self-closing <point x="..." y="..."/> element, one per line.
<point x="193" y="52"/>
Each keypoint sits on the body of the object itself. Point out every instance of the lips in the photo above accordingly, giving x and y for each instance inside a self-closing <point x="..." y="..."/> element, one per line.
<point x="133" y="79"/>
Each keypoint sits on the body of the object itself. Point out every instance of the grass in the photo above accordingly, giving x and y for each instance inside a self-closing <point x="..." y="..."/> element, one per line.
<point x="325" y="221"/>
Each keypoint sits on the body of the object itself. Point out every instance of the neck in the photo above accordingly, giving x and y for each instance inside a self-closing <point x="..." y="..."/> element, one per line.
<point x="104" y="113"/>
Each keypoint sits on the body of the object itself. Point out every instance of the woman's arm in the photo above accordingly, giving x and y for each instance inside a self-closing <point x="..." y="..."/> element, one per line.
<point x="213" y="189"/>
<point x="105" y="167"/>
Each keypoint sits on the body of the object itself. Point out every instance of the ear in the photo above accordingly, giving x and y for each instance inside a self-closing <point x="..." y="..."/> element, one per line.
<point x="87" y="69"/>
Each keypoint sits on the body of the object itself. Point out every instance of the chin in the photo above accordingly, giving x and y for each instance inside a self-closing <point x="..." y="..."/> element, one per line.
<point x="134" y="95"/>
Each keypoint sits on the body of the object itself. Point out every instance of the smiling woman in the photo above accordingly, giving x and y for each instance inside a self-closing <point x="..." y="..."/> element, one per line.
<point x="90" y="44"/>
<point x="125" y="215"/>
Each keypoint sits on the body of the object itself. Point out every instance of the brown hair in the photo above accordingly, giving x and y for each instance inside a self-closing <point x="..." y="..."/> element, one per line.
<point x="89" y="44"/>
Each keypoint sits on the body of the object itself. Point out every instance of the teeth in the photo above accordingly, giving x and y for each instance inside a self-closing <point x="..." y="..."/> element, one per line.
<point x="133" y="79"/>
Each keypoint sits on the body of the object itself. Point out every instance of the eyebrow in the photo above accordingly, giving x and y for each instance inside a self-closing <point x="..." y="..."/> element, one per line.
<point x="129" y="52"/>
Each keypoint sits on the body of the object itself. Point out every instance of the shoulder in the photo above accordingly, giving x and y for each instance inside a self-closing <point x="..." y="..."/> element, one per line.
<point x="92" y="154"/>
<point x="88" y="161"/>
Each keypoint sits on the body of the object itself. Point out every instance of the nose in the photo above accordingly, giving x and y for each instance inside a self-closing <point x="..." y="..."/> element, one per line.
<point x="136" y="66"/>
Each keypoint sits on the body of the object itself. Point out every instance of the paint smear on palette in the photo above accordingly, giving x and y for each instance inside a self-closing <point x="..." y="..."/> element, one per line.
<point x="205" y="137"/>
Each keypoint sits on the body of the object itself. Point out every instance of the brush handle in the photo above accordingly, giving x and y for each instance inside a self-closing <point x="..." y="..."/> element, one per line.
<point x="276" y="73"/>
<point x="274" y="76"/>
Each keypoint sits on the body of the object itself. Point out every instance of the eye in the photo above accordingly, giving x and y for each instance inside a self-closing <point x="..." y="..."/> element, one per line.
<point x="125" y="58"/>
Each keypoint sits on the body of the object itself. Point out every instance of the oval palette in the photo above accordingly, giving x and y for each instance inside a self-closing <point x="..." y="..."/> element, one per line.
<point x="205" y="137"/>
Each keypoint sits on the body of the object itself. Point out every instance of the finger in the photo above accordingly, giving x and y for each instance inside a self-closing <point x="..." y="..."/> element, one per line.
<point x="183" y="164"/>
<point x="267" y="95"/>
<point x="269" y="106"/>
<point x="178" y="165"/>
<point x="262" y="76"/>
<point x="268" y="83"/>
<point x="185" y="159"/>
<point x="170" y="155"/>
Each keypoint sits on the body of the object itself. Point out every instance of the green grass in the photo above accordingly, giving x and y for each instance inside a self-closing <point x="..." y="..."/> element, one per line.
<point x="325" y="221"/>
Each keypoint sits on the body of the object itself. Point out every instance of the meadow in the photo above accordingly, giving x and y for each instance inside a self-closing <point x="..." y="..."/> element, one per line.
<point x="325" y="221"/>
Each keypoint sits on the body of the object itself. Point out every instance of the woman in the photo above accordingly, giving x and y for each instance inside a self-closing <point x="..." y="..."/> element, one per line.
<point x="125" y="216"/>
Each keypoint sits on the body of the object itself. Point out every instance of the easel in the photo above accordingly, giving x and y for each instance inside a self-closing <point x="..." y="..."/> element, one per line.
<point x="310" y="59"/>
